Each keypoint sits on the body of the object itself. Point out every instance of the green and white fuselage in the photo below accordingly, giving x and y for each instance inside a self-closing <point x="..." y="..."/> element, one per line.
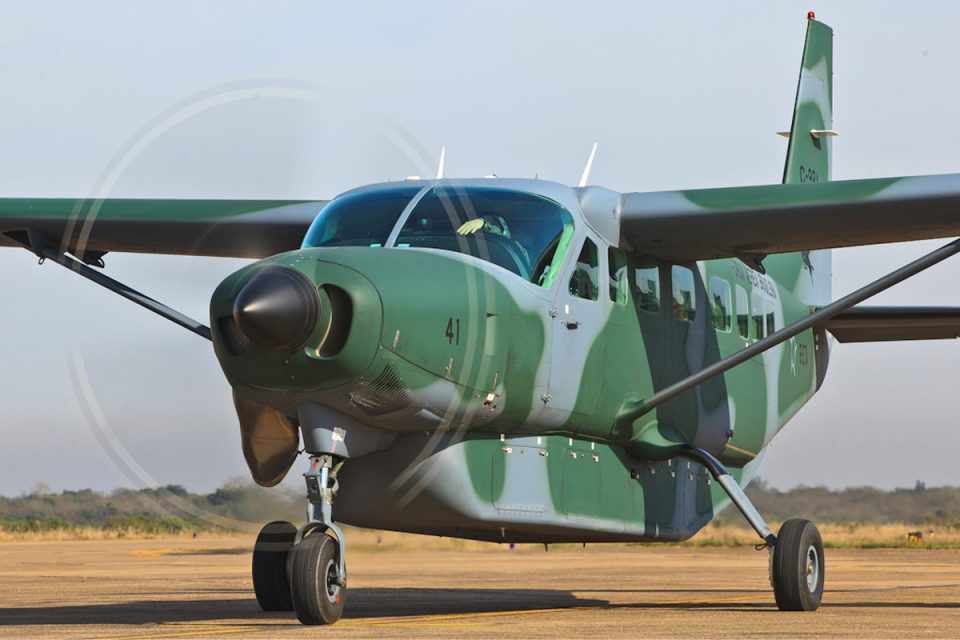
<point x="492" y="406"/>
<point x="504" y="335"/>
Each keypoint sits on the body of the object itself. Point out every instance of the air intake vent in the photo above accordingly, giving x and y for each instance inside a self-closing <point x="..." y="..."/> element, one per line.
<point x="384" y="394"/>
<point x="341" y="318"/>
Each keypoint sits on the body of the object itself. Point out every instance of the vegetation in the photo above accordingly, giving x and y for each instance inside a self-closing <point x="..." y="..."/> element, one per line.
<point x="857" y="517"/>
<point x="919" y="505"/>
<point x="161" y="511"/>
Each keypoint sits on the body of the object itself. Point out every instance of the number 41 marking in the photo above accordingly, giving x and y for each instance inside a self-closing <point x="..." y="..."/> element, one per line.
<point x="452" y="334"/>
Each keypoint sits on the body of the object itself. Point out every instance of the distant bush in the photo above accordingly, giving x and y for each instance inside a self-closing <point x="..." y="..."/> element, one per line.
<point x="919" y="504"/>
<point x="33" y="525"/>
<point x="168" y="509"/>
<point x="173" y="509"/>
<point x="148" y="523"/>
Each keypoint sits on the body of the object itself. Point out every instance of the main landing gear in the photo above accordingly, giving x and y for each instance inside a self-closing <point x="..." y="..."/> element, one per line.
<point x="303" y="570"/>
<point x="797" y="563"/>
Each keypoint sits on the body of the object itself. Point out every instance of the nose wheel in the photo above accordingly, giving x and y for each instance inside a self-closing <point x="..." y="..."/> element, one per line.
<point x="304" y="570"/>
<point x="315" y="584"/>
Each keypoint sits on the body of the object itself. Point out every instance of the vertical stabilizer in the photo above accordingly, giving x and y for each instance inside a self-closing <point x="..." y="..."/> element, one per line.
<point x="809" y="159"/>
<point x="811" y="130"/>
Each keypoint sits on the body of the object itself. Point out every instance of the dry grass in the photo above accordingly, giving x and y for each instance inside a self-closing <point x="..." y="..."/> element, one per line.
<point x="89" y="533"/>
<point x="843" y="536"/>
<point x="840" y="536"/>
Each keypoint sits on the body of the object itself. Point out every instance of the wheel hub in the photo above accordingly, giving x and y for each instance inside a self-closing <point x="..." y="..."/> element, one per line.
<point x="332" y="580"/>
<point x="813" y="569"/>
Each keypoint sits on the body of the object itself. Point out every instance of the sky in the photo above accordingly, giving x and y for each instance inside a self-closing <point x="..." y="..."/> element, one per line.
<point x="308" y="99"/>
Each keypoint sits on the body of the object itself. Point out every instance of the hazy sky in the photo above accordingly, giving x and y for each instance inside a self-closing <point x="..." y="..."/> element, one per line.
<point x="307" y="99"/>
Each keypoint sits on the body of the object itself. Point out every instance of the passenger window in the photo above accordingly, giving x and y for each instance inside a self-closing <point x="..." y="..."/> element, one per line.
<point x="584" y="281"/>
<point x="646" y="288"/>
<point x="617" y="266"/>
<point x="684" y="294"/>
<point x="771" y="323"/>
<point x="743" y="313"/>
<point x="759" y="306"/>
<point x="720" y="306"/>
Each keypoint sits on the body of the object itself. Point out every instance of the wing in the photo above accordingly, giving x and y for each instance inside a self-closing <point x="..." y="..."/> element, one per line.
<point x="684" y="226"/>
<point x="226" y="228"/>
<point x="880" y="324"/>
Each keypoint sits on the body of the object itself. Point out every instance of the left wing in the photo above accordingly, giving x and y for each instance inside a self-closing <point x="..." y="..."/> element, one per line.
<point x="880" y="324"/>
<point x="702" y="224"/>
<point x="225" y="228"/>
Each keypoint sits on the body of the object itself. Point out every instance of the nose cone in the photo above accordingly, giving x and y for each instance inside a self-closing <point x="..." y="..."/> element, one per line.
<point x="277" y="309"/>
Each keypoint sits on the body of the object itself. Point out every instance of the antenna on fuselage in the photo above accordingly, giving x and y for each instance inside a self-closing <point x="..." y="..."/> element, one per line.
<point x="440" y="165"/>
<point x="585" y="176"/>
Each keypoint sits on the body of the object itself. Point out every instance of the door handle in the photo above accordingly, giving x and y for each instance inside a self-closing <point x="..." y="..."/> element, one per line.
<point x="572" y="324"/>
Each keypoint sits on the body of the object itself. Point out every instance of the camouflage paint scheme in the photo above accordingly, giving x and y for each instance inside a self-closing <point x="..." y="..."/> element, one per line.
<point x="468" y="401"/>
<point x="514" y="431"/>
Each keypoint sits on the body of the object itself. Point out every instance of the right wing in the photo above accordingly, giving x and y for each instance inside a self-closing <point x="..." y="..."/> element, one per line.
<point x="224" y="228"/>
<point x="703" y="224"/>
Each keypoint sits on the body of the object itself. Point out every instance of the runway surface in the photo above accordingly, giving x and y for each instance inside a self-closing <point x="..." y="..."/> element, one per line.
<point x="180" y="588"/>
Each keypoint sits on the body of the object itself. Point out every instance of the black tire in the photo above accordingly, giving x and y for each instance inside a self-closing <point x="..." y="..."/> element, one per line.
<point x="799" y="566"/>
<point x="270" y="582"/>
<point x="317" y="599"/>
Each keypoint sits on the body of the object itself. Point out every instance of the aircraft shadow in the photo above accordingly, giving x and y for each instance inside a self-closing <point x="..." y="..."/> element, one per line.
<point x="361" y="603"/>
<point x="384" y="602"/>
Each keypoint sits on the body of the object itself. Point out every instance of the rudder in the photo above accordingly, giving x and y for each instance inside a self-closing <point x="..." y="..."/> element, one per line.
<point x="811" y="129"/>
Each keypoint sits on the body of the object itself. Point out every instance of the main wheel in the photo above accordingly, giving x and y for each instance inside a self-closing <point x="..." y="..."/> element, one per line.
<point x="314" y="581"/>
<point x="798" y="566"/>
<point x="270" y="581"/>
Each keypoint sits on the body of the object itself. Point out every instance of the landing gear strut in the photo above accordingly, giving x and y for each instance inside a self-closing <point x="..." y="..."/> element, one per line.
<point x="318" y="572"/>
<point x="797" y="563"/>
<point x="304" y="570"/>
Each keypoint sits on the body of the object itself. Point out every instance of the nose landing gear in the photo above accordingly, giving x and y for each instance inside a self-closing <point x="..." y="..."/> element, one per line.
<point x="304" y="570"/>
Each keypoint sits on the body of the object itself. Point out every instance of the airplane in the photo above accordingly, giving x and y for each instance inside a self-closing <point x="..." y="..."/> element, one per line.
<point x="517" y="360"/>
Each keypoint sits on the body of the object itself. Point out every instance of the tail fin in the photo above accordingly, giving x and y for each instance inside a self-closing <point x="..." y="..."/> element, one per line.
<point x="808" y="156"/>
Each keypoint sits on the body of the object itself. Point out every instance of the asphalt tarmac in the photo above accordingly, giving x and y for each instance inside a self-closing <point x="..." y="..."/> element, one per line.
<point x="184" y="588"/>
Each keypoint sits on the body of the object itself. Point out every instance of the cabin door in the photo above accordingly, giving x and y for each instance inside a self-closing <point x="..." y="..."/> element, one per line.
<point x="579" y="317"/>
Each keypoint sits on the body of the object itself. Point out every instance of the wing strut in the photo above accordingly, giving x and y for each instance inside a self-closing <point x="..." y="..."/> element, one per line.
<point x="814" y="319"/>
<point x="39" y="245"/>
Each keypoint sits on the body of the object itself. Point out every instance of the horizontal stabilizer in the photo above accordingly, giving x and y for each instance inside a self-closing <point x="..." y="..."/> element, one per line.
<point x="881" y="324"/>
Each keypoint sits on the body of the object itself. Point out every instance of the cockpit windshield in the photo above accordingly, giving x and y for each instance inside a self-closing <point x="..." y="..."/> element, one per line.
<point x="362" y="219"/>
<point x="521" y="232"/>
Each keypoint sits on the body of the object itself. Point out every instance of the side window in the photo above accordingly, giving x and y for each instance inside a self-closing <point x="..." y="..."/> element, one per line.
<point x="684" y="294"/>
<point x="759" y="305"/>
<point x="584" y="283"/>
<point x="743" y="313"/>
<point x="646" y="288"/>
<point x="771" y="323"/>
<point x="720" y="307"/>
<point x="617" y="265"/>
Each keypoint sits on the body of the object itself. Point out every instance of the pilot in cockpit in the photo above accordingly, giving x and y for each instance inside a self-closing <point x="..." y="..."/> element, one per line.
<point x="488" y="224"/>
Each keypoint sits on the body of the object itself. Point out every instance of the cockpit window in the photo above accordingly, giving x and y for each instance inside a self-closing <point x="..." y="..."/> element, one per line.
<point x="521" y="232"/>
<point x="363" y="219"/>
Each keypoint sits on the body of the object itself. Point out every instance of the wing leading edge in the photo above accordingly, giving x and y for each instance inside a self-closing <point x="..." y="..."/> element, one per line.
<point x="703" y="224"/>
<point x="223" y="228"/>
